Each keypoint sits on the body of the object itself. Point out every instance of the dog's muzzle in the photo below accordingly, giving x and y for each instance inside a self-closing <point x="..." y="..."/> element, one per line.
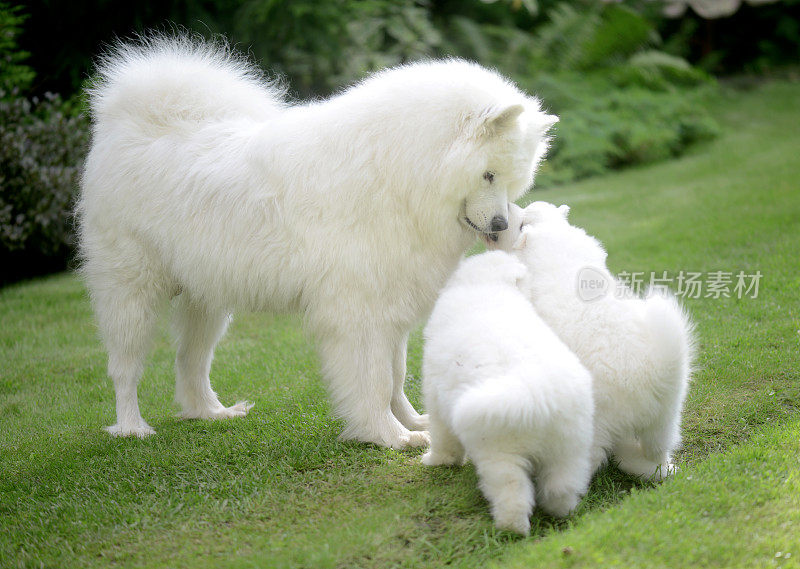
<point x="498" y="224"/>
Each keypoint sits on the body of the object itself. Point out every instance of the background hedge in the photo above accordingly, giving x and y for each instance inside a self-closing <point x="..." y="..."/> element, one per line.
<point x="630" y="87"/>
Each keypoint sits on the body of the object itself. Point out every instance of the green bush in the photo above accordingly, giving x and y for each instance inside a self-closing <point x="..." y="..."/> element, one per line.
<point x="41" y="154"/>
<point x="42" y="145"/>
<point x="323" y="46"/>
<point x="621" y="100"/>
<point x="604" y="126"/>
<point x="13" y="73"/>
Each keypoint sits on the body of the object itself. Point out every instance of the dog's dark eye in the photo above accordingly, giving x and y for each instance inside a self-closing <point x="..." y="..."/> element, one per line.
<point x="521" y="225"/>
<point x="488" y="176"/>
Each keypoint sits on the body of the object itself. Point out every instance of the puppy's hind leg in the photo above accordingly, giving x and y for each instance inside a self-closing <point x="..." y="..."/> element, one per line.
<point x="661" y="438"/>
<point x="632" y="458"/>
<point x="505" y="481"/>
<point x="401" y="406"/>
<point x="650" y="455"/>
<point x="197" y="330"/>
<point x="562" y="479"/>
<point x="445" y="446"/>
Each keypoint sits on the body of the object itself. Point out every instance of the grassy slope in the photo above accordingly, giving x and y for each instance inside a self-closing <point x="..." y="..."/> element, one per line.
<point x="739" y="509"/>
<point x="278" y="489"/>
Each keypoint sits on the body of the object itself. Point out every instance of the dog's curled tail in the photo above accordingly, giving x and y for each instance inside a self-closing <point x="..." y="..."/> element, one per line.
<point x="672" y="335"/>
<point x="160" y="82"/>
<point x="504" y="401"/>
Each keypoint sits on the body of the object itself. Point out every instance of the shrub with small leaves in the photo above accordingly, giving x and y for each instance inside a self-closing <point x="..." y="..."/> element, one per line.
<point x="603" y="127"/>
<point x="13" y="72"/>
<point x="324" y="46"/>
<point x="41" y="153"/>
<point x="621" y="100"/>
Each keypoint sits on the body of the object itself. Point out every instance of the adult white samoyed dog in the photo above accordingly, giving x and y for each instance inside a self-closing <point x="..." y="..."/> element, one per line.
<point x="501" y="387"/>
<point x="639" y="350"/>
<point x="205" y="184"/>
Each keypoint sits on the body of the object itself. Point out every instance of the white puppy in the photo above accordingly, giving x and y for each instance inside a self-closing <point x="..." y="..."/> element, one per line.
<point x="500" y="386"/>
<point x="639" y="351"/>
<point x="203" y="183"/>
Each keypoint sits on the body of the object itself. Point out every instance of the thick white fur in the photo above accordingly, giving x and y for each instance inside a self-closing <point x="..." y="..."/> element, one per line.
<point x="639" y="351"/>
<point x="501" y="387"/>
<point x="203" y="182"/>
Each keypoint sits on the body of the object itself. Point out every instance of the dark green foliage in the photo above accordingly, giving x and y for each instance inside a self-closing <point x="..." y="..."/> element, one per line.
<point x="621" y="100"/>
<point x="41" y="151"/>
<point x="657" y="71"/>
<point x="322" y="46"/>
<point x="604" y="127"/>
<point x="42" y="144"/>
<point x="755" y="39"/>
<point x="13" y="73"/>
<point x="619" y="34"/>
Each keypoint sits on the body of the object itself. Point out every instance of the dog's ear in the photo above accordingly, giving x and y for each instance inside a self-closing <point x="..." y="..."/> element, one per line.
<point x="564" y="209"/>
<point x="497" y="120"/>
<point x="546" y="122"/>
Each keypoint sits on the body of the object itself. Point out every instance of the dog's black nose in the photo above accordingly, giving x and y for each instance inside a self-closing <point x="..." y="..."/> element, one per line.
<point x="499" y="223"/>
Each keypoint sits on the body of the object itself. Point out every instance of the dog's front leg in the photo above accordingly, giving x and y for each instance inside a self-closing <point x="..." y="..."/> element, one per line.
<point x="358" y="365"/>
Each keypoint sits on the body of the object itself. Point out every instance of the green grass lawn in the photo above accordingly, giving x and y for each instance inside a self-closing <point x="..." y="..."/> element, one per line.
<point x="277" y="489"/>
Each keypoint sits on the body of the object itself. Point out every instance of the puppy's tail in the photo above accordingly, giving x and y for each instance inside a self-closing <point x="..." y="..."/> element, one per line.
<point x="672" y="336"/>
<point x="160" y="82"/>
<point x="504" y="401"/>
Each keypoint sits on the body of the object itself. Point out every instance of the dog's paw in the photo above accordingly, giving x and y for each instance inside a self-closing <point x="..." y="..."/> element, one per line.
<point x="663" y="471"/>
<point x="419" y="423"/>
<point x="412" y="439"/>
<point x="513" y="521"/>
<point x="389" y="433"/>
<point x="239" y="410"/>
<point x="140" y="430"/>
<point x="406" y="439"/>
<point x="432" y="458"/>
<point x="631" y="459"/>
<point x="559" y="505"/>
<point x="410" y="419"/>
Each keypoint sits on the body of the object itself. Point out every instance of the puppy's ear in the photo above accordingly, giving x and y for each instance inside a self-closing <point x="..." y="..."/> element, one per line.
<point x="564" y="209"/>
<point x="528" y="217"/>
<point x="518" y="272"/>
<point x="521" y="241"/>
<point x="498" y="120"/>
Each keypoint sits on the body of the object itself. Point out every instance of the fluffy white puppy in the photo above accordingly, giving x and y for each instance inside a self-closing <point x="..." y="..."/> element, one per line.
<point x="639" y="351"/>
<point x="204" y="184"/>
<point x="501" y="387"/>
